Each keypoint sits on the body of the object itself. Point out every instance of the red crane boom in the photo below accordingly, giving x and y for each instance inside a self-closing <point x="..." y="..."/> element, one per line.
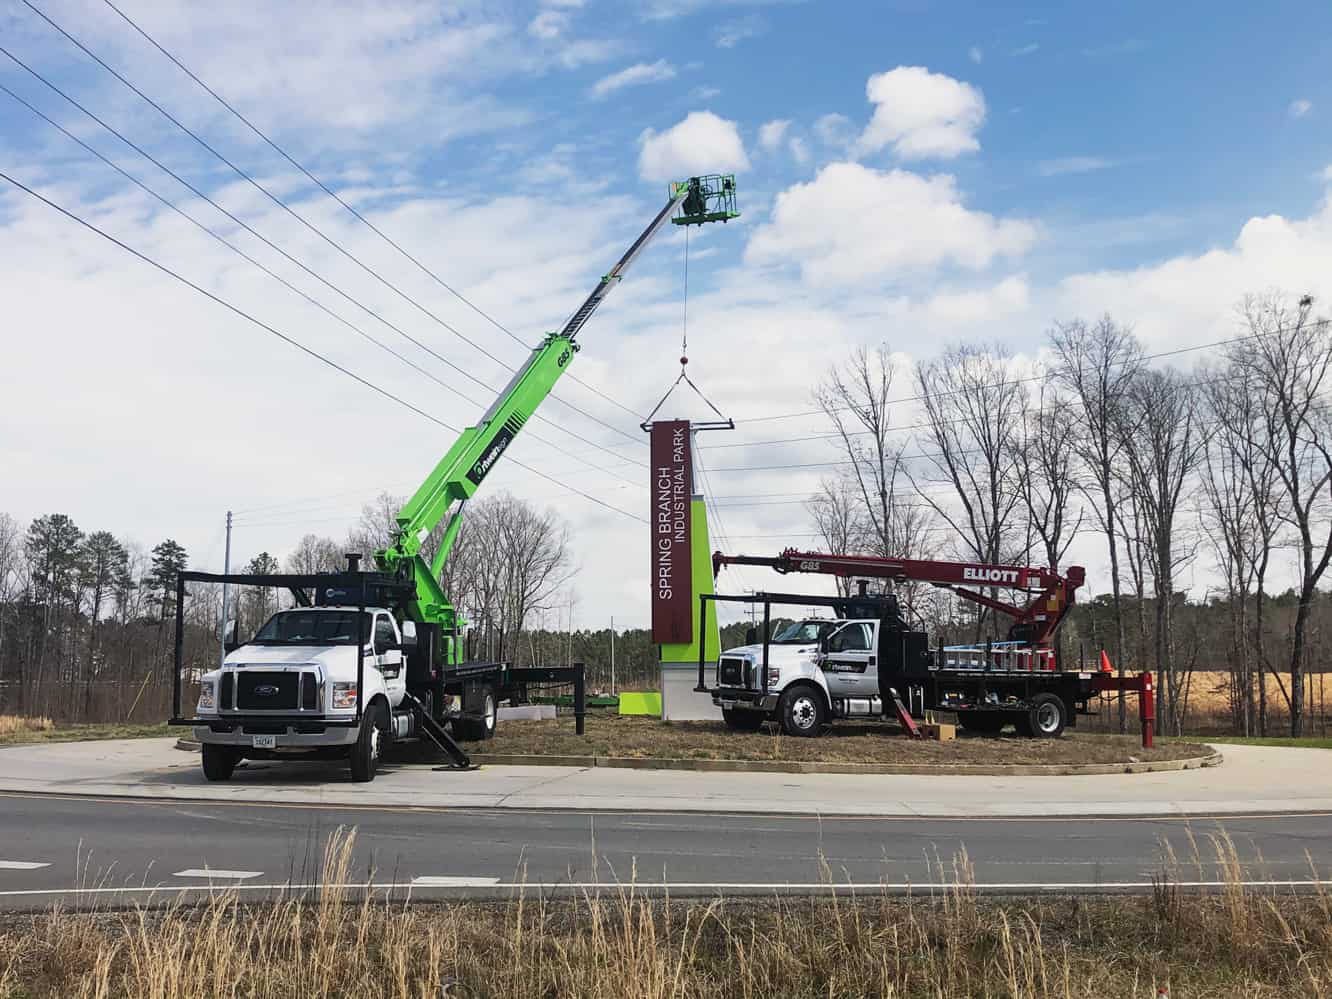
<point x="1052" y="593"/>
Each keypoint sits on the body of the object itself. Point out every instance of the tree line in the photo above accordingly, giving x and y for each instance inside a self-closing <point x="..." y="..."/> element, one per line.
<point x="1226" y="469"/>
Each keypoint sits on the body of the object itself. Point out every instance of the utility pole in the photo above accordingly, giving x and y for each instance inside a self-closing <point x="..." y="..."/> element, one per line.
<point x="612" y="690"/>
<point x="226" y="594"/>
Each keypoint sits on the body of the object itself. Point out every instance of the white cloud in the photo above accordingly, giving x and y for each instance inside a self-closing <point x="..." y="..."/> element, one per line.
<point x="1073" y="164"/>
<point x="549" y="24"/>
<point x="704" y="93"/>
<point x="800" y="151"/>
<point x="771" y="133"/>
<point x="835" y="130"/>
<point x="1025" y="50"/>
<point x="1189" y="299"/>
<point x="729" y="34"/>
<point x="922" y="115"/>
<point x="852" y="224"/>
<point x="1327" y="173"/>
<point x="633" y="76"/>
<point x="976" y="54"/>
<point x="1299" y="108"/>
<point x="701" y="143"/>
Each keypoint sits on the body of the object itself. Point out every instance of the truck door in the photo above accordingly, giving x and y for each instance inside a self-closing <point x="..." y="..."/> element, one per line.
<point x="388" y="656"/>
<point x="847" y="665"/>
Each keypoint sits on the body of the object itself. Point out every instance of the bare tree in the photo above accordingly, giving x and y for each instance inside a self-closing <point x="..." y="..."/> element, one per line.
<point x="1097" y="364"/>
<point x="1167" y="444"/>
<point x="839" y="516"/>
<point x="1288" y="358"/>
<point x="974" y="408"/>
<point x="1044" y="455"/>
<point x="315" y="554"/>
<point x="856" y="399"/>
<point x="1243" y="511"/>
<point x="377" y="527"/>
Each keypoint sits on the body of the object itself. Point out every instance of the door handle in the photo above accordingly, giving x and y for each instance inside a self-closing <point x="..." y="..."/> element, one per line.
<point x="871" y="661"/>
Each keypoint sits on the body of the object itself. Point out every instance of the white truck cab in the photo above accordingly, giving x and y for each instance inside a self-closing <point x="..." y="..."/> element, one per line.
<point x="292" y="689"/>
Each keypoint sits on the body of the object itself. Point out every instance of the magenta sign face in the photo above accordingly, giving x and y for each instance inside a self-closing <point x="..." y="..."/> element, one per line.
<point x="672" y="578"/>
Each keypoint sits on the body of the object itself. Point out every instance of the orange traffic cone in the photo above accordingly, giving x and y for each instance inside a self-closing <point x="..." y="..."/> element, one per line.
<point x="1105" y="663"/>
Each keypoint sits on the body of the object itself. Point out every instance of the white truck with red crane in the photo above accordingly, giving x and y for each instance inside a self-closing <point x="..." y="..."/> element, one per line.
<point x="874" y="664"/>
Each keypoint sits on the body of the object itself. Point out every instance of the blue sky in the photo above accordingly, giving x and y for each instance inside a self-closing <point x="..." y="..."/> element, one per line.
<point x="911" y="173"/>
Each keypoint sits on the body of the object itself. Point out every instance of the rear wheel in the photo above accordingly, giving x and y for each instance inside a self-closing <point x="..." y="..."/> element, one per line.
<point x="219" y="761"/>
<point x="801" y="711"/>
<point x="743" y="721"/>
<point x="1047" y="717"/>
<point x="479" y="729"/>
<point x="369" y="745"/>
<point x="982" y="722"/>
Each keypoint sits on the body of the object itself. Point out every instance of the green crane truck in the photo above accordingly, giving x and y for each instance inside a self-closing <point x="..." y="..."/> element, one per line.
<point x="366" y="658"/>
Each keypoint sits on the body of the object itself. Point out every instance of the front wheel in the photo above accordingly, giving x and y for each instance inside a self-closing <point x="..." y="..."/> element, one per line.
<point x="219" y="761"/>
<point x="743" y="721"/>
<point x="369" y="744"/>
<point x="801" y="711"/>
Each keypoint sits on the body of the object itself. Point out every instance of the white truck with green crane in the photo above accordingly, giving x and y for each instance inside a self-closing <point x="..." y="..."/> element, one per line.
<point x="371" y="657"/>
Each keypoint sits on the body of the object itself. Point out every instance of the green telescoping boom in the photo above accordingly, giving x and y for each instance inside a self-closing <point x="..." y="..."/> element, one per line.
<point x="462" y="470"/>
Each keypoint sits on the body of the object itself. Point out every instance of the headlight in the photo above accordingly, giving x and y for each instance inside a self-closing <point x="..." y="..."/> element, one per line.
<point x="344" y="695"/>
<point x="774" y="676"/>
<point x="207" y="697"/>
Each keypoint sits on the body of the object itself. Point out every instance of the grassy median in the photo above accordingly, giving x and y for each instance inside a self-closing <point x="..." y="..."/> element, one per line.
<point x="844" y="742"/>
<point x="1231" y="942"/>
<point x="15" y="729"/>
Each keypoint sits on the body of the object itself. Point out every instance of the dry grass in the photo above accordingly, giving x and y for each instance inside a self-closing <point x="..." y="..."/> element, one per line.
<point x="845" y="742"/>
<point x="16" y="729"/>
<point x="21" y="725"/>
<point x="1226" y="943"/>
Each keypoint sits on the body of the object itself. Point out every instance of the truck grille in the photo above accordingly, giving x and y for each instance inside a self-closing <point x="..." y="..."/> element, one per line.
<point x="270" y="690"/>
<point x="731" y="672"/>
<point x="257" y="691"/>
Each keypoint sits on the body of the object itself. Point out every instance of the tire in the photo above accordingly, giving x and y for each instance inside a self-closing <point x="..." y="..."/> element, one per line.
<point x="219" y="761"/>
<point x="982" y="722"/>
<point x="801" y="711"/>
<point x="1047" y="717"/>
<point x="483" y="728"/>
<point x="743" y="721"/>
<point x="369" y="745"/>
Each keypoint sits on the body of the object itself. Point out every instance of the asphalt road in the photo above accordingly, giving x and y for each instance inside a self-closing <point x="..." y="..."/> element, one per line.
<point x="121" y="851"/>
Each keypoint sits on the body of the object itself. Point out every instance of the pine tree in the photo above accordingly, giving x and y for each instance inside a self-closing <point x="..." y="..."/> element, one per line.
<point x="169" y="560"/>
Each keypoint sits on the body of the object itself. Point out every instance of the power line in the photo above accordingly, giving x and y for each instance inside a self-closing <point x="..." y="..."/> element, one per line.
<point x="1006" y="382"/>
<point x="281" y="280"/>
<point x="298" y="217"/>
<point x="338" y="198"/>
<point x="277" y="249"/>
<point x="287" y="339"/>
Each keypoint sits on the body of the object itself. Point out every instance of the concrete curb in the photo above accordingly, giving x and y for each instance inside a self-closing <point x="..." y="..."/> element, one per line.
<point x="800" y="767"/>
<point x="1215" y="759"/>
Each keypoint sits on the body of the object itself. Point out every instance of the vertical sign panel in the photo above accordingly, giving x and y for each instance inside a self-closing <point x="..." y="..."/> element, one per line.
<point x="672" y="487"/>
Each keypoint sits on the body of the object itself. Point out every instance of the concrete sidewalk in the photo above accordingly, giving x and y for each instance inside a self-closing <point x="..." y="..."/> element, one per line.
<point x="1252" y="780"/>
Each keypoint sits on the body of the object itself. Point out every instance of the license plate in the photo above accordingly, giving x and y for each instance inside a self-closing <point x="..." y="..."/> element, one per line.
<point x="728" y="705"/>
<point x="263" y="741"/>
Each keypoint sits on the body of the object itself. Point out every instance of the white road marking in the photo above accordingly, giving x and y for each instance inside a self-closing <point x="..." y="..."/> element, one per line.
<point x="21" y="865"/>
<point x="444" y="881"/>
<point x="195" y="872"/>
<point x="901" y="887"/>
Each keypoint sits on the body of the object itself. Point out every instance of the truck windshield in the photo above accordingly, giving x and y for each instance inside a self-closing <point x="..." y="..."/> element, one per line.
<point x="801" y="632"/>
<point x="312" y="627"/>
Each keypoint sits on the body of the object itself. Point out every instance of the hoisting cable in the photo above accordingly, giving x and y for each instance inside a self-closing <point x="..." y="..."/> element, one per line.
<point x="684" y="355"/>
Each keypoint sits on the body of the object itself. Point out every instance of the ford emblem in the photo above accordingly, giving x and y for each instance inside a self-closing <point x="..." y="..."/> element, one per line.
<point x="266" y="690"/>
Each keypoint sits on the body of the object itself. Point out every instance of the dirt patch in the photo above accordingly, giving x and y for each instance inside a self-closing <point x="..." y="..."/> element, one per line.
<point x="648" y="738"/>
<point x="15" y="730"/>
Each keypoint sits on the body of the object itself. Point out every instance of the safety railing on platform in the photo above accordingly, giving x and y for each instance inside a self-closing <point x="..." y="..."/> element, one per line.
<point x="1014" y="657"/>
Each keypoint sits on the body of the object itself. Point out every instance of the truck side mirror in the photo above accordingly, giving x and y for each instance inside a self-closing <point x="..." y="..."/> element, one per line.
<point x="751" y="636"/>
<point x="409" y="634"/>
<point x="229" y="642"/>
<point x="823" y="642"/>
